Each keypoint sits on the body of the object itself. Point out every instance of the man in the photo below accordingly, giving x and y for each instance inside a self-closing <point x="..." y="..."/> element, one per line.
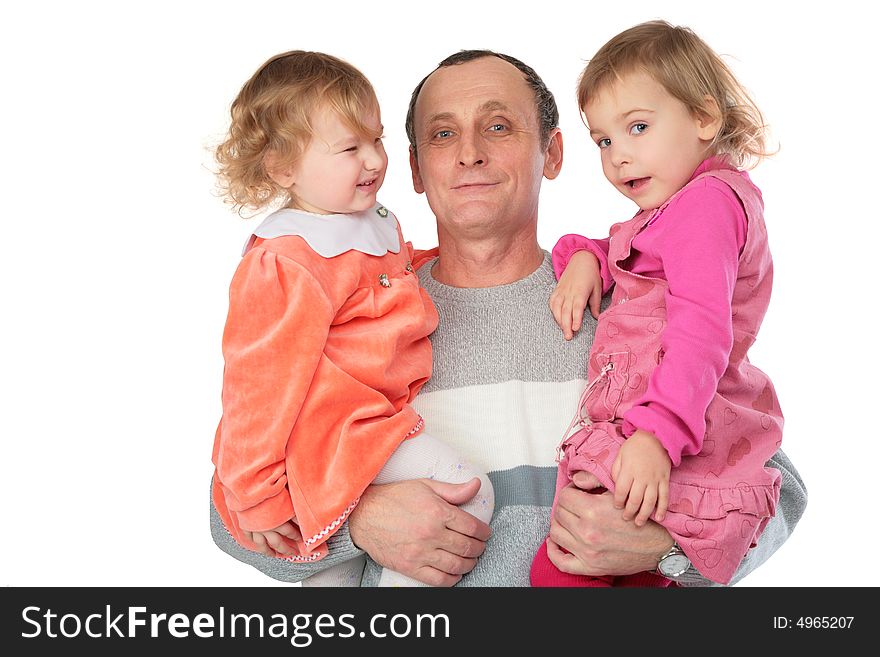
<point x="483" y="135"/>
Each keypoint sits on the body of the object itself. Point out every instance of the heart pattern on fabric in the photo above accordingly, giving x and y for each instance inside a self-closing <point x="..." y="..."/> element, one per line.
<point x="708" y="448"/>
<point x="683" y="506"/>
<point x="764" y="401"/>
<point x="694" y="527"/>
<point x="738" y="450"/>
<point x="730" y="416"/>
<point x="710" y="556"/>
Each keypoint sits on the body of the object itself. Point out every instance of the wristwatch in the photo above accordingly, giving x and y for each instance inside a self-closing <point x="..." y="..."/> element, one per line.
<point x="673" y="563"/>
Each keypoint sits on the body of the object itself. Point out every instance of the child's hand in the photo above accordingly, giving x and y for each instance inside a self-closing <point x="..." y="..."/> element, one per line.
<point x="641" y="478"/>
<point x="272" y="542"/>
<point x="579" y="285"/>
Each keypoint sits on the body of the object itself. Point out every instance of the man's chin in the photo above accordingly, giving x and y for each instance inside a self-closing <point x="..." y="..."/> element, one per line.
<point x="477" y="219"/>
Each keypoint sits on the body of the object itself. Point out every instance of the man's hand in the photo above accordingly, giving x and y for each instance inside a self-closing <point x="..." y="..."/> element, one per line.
<point x="598" y="540"/>
<point x="416" y="528"/>
<point x="580" y="285"/>
<point x="272" y="542"/>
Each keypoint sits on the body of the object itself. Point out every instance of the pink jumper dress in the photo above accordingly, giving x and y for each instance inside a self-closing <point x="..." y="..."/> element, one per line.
<point x="720" y="499"/>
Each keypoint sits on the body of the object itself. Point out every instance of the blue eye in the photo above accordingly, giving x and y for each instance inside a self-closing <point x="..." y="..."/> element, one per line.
<point x="638" y="129"/>
<point x="497" y="127"/>
<point x="603" y="143"/>
<point x="443" y="134"/>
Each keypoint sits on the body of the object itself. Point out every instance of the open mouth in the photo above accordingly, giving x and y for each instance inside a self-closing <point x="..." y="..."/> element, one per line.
<point x="368" y="183"/>
<point x="636" y="183"/>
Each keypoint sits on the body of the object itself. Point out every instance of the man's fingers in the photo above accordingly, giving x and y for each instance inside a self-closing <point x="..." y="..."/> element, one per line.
<point x="433" y="577"/>
<point x="566" y="562"/>
<point x="452" y="564"/>
<point x="466" y="524"/>
<point x="458" y="520"/>
<point x="561" y="536"/>
<point x="586" y="480"/>
<point x="454" y="494"/>
<point x="462" y="546"/>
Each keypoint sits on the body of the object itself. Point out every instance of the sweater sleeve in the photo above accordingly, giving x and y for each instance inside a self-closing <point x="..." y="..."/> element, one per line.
<point x="698" y="246"/>
<point x="340" y="546"/>
<point x="570" y="244"/>
<point x="277" y="326"/>
<point x="789" y="511"/>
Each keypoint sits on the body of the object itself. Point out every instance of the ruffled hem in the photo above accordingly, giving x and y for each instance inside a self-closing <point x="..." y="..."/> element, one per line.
<point x="700" y="501"/>
<point x="326" y="532"/>
<point x="594" y="449"/>
<point x="322" y="524"/>
<point x="715" y="525"/>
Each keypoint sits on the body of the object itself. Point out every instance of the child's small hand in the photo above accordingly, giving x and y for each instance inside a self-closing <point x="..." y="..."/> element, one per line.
<point x="272" y="542"/>
<point x="641" y="478"/>
<point x="580" y="285"/>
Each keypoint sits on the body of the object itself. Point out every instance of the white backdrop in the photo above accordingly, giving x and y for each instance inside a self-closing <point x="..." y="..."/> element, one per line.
<point x="117" y="257"/>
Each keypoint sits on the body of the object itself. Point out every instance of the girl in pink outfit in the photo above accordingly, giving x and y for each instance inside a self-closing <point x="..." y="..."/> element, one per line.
<point x="676" y="422"/>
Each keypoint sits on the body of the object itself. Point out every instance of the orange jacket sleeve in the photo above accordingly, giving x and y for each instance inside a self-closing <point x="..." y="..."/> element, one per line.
<point x="278" y="322"/>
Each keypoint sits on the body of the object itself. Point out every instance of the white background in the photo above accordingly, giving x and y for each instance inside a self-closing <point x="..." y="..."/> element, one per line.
<point x="117" y="256"/>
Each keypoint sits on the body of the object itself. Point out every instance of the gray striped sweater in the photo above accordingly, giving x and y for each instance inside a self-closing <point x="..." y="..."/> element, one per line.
<point x="504" y="387"/>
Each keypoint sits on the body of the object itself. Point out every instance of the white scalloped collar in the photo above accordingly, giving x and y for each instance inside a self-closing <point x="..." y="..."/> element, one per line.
<point x="332" y="234"/>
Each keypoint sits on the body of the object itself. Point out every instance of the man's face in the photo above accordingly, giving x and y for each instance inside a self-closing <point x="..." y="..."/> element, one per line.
<point x="480" y="160"/>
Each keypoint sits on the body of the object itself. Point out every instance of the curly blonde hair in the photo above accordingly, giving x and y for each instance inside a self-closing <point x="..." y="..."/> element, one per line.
<point x="271" y="117"/>
<point x="689" y="70"/>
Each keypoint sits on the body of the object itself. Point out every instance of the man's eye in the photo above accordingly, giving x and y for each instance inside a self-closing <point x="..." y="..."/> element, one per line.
<point x="497" y="127"/>
<point x="638" y="128"/>
<point x="443" y="134"/>
<point x="603" y="143"/>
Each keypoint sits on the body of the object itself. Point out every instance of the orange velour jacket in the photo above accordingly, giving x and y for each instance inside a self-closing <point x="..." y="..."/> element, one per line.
<point x="322" y="357"/>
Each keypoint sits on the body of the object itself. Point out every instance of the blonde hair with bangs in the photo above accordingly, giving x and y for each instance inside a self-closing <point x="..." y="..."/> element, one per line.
<point x="689" y="70"/>
<point x="271" y="117"/>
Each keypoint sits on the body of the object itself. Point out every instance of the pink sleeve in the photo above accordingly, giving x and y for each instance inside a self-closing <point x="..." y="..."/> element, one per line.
<point x="570" y="244"/>
<point x="698" y="246"/>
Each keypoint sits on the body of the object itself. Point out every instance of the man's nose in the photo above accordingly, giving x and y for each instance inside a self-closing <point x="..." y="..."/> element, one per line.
<point x="472" y="151"/>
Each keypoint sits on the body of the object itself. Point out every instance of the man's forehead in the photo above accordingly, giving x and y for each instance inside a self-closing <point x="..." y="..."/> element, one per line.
<point x="485" y="84"/>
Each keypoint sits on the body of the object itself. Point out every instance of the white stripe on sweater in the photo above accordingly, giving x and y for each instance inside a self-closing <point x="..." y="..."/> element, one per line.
<point x="534" y="414"/>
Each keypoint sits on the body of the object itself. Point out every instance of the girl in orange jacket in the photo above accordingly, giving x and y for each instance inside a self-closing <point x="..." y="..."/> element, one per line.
<point x="326" y="341"/>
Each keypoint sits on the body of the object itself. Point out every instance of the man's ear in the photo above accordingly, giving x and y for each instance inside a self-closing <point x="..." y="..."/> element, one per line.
<point x="283" y="175"/>
<point x="709" y="119"/>
<point x="416" y="174"/>
<point x="553" y="155"/>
